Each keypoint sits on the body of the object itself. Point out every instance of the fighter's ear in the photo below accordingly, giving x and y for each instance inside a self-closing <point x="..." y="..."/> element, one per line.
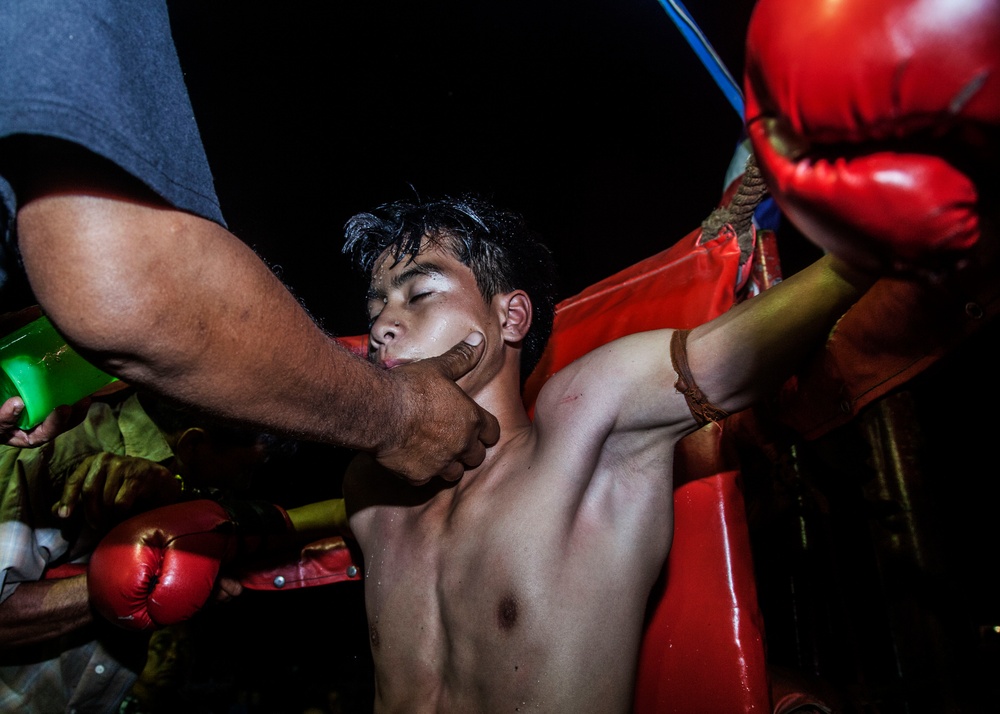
<point x="516" y="316"/>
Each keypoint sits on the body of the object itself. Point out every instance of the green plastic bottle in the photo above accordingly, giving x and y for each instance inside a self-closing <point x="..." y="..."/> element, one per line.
<point x="37" y="365"/>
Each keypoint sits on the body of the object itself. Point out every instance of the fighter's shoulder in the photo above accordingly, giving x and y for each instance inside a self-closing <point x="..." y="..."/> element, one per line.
<point x="613" y="366"/>
<point x="581" y="393"/>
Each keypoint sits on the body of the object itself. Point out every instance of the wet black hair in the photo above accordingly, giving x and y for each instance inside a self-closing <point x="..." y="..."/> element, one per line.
<point x="494" y="243"/>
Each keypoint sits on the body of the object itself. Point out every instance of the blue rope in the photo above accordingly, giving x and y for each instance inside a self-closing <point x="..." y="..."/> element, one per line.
<point x="706" y="53"/>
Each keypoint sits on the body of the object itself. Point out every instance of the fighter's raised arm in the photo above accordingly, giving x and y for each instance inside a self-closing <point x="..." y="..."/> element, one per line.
<point x="679" y="379"/>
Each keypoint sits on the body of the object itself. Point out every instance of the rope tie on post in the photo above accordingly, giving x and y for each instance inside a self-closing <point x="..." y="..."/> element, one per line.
<point x="738" y="213"/>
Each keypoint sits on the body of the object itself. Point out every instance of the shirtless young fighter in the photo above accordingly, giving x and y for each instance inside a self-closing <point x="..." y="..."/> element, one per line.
<point x="523" y="586"/>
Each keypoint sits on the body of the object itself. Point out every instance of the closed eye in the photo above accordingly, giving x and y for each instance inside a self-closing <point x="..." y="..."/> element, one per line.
<point x="377" y="301"/>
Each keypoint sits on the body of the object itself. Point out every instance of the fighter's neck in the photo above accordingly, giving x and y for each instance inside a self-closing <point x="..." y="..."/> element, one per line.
<point x="503" y="400"/>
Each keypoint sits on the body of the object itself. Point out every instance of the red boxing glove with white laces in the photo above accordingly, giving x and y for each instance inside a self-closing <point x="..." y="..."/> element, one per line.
<point x="161" y="567"/>
<point x="876" y="123"/>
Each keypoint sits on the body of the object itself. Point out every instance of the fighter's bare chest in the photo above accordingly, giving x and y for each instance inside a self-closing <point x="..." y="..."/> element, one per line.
<point x="429" y="580"/>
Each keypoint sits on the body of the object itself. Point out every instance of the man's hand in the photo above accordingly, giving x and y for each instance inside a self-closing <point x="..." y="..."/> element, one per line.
<point x="226" y="588"/>
<point x="61" y="419"/>
<point x="111" y="487"/>
<point x="443" y="431"/>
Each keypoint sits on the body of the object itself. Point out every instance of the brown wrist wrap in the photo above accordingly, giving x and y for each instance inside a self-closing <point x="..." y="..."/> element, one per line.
<point x="702" y="410"/>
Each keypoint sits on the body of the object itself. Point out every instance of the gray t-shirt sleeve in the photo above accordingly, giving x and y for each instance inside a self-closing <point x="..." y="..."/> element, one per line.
<point x="105" y="75"/>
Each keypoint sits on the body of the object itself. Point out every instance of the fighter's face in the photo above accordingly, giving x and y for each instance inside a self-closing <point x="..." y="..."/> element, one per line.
<point x="422" y="308"/>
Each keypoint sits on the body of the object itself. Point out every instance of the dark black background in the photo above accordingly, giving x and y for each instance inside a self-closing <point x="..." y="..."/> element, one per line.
<point x="595" y="119"/>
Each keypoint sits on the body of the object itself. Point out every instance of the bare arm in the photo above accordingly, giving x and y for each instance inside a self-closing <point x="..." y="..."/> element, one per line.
<point x="735" y="359"/>
<point x="748" y="352"/>
<point x="175" y="303"/>
<point x="41" y="611"/>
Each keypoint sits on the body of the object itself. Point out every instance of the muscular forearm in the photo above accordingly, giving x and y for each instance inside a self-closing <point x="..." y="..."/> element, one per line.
<point x="749" y="351"/>
<point x="41" y="611"/>
<point x="218" y="330"/>
<point x="176" y="304"/>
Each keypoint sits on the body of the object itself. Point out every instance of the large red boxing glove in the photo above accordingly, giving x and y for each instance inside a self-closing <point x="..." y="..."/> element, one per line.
<point x="160" y="567"/>
<point x="876" y="123"/>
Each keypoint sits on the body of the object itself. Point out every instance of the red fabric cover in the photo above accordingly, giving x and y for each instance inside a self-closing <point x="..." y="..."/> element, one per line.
<point x="324" y="561"/>
<point x="355" y="343"/>
<point x="704" y="645"/>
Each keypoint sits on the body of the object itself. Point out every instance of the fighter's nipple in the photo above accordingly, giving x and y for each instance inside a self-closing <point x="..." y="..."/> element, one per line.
<point x="507" y="612"/>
